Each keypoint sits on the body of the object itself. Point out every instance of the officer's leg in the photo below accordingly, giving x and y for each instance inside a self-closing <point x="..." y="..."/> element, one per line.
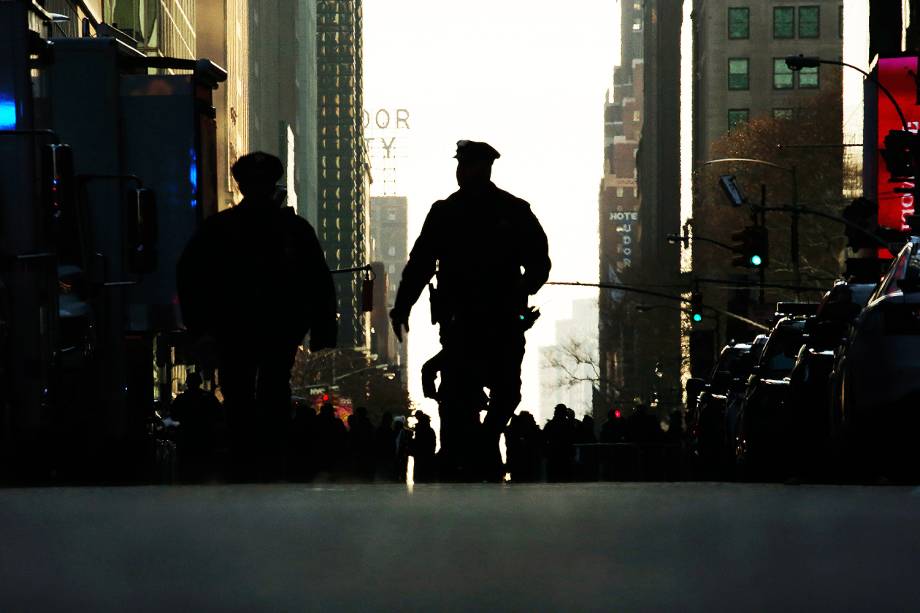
<point x="273" y="397"/>
<point x="237" y="378"/>
<point x="504" y="398"/>
<point x="459" y="412"/>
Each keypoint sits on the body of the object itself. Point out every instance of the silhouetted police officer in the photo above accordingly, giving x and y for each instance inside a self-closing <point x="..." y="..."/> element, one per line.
<point x="489" y="253"/>
<point x="254" y="278"/>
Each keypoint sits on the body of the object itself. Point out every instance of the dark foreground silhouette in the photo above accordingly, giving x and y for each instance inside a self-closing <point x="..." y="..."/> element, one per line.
<point x="252" y="282"/>
<point x="488" y="253"/>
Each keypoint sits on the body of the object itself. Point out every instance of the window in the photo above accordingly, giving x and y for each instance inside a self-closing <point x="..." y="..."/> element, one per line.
<point x="808" y="78"/>
<point x="782" y="74"/>
<point x="783" y="22"/>
<point x="619" y="192"/>
<point x="637" y="115"/>
<point x="782" y="113"/>
<point x="739" y="22"/>
<point x="738" y="73"/>
<point x="809" y="21"/>
<point x="737" y="116"/>
<point x="391" y="251"/>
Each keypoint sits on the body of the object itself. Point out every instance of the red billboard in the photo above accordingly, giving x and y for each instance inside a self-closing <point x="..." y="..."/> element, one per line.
<point x="898" y="74"/>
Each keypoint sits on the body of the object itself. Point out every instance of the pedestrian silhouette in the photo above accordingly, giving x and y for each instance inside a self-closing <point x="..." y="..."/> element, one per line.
<point x="422" y="449"/>
<point x="199" y="415"/>
<point x="614" y="429"/>
<point x="559" y="435"/>
<point x="524" y="448"/>
<point x="254" y="279"/>
<point x="643" y="427"/>
<point x="361" y="444"/>
<point x="402" y="436"/>
<point x="329" y="440"/>
<point x="385" y="448"/>
<point x="489" y="253"/>
<point x="301" y="457"/>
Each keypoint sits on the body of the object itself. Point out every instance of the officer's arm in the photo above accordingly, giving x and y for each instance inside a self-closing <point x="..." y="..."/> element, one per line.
<point x="420" y="267"/>
<point x="192" y="281"/>
<point x="536" y="255"/>
<point x="323" y="305"/>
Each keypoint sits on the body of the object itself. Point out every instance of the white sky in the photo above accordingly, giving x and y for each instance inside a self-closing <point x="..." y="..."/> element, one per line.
<point x="527" y="76"/>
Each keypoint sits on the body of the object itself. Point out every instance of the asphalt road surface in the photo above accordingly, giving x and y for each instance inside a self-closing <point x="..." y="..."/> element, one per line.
<point x="597" y="547"/>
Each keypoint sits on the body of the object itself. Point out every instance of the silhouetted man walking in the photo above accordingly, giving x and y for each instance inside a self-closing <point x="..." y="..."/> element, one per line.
<point x="254" y="278"/>
<point x="490" y="253"/>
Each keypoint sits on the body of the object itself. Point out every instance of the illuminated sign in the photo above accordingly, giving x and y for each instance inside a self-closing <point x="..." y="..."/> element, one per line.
<point x="7" y="112"/>
<point x="898" y="74"/>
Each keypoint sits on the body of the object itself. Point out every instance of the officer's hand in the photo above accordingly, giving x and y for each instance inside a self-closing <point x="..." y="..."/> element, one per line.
<point x="399" y="322"/>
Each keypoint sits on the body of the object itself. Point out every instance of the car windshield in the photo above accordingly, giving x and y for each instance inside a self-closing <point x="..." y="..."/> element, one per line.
<point x="905" y="266"/>
<point x="781" y="350"/>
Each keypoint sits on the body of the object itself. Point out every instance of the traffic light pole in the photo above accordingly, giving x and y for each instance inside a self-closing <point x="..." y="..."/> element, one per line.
<point x="681" y="299"/>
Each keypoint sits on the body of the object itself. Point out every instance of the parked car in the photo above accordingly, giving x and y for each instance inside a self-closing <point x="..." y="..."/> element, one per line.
<point x="876" y="377"/>
<point x="763" y="426"/>
<point x="708" y="438"/>
<point x="808" y="403"/>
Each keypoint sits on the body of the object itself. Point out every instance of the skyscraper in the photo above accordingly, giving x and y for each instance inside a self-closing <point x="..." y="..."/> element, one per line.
<point x="639" y="337"/>
<point x="342" y="217"/>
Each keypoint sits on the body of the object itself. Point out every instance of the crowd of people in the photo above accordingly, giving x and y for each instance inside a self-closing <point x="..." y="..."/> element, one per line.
<point x="319" y="446"/>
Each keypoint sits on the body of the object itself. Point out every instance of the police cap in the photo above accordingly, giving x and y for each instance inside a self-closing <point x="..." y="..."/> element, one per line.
<point x="257" y="168"/>
<point x="470" y="150"/>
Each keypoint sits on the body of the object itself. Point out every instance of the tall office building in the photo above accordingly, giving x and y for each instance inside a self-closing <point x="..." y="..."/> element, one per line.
<point x="166" y="28"/>
<point x="749" y="104"/>
<point x="389" y="248"/>
<point x="283" y="108"/>
<point x="344" y="178"/>
<point x="741" y="73"/>
<point x="639" y="336"/>
<point x="223" y="37"/>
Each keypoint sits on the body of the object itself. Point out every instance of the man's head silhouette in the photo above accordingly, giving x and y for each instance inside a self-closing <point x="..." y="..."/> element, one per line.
<point x="474" y="163"/>
<point x="192" y="381"/>
<point x="257" y="173"/>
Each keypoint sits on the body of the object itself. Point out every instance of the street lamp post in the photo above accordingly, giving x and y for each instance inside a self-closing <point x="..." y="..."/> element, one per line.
<point x="798" y="62"/>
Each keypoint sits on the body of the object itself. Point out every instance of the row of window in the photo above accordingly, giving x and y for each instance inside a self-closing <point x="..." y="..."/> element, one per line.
<point x="739" y="75"/>
<point x="739" y="116"/>
<point x="784" y="22"/>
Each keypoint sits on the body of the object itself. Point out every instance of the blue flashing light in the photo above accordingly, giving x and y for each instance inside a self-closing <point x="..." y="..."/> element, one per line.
<point x="697" y="317"/>
<point x="756" y="260"/>
<point x="193" y="175"/>
<point x="7" y="112"/>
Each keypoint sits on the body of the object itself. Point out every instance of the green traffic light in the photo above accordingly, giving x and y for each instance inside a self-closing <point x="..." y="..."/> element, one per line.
<point x="697" y="317"/>
<point x="756" y="260"/>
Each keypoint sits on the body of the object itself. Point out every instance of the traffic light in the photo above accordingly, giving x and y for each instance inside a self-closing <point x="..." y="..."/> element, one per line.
<point x="901" y="153"/>
<point x="696" y="307"/>
<point x="752" y="246"/>
<point x="862" y="213"/>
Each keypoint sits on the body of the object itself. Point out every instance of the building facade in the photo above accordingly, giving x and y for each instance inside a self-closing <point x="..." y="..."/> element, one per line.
<point x="166" y="28"/>
<point x="740" y="51"/>
<point x="223" y="37"/>
<point x="344" y="172"/>
<point x="639" y="336"/>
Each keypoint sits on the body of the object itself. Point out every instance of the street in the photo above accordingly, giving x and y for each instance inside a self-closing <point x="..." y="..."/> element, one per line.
<point x="627" y="546"/>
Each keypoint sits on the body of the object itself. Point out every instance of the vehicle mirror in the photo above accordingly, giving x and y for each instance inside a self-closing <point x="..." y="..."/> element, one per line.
<point x="141" y="231"/>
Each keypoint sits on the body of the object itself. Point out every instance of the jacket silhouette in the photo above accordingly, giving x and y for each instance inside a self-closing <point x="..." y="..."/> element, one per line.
<point x="488" y="253"/>
<point x="254" y="278"/>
